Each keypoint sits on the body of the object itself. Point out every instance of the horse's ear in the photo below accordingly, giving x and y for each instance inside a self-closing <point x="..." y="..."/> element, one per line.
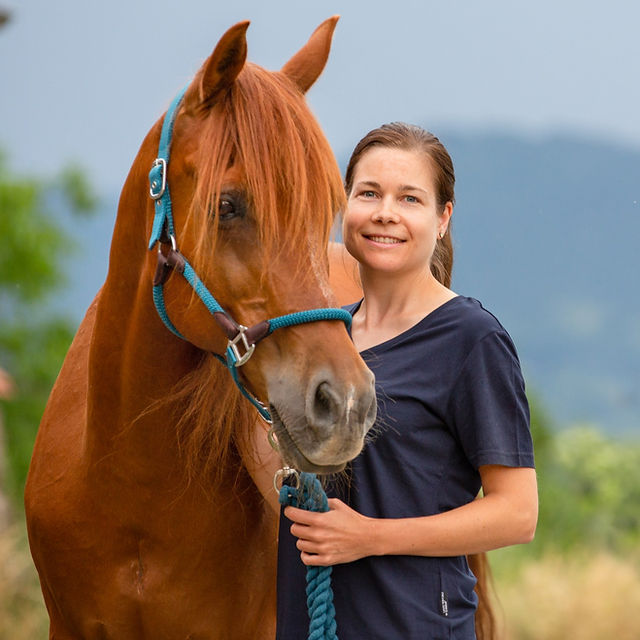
<point x="306" y="65"/>
<point x="223" y="66"/>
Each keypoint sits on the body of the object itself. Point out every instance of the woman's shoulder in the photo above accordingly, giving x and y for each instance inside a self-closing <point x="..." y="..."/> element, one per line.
<point x="475" y="316"/>
<point x="471" y="321"/>
<point x="478" y="331"/>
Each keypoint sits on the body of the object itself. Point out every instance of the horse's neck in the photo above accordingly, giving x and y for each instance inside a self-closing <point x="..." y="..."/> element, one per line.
<point x="134" y="362"/>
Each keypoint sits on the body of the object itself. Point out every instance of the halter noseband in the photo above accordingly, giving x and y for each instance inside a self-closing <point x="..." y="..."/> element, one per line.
<point x="163" y="232"/>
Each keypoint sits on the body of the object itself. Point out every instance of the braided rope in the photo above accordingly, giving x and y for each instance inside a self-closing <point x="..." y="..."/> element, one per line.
<point x="201" y="291"/>
<point x="311" y="315"/>
<point x="310" y="495"/>
<point x="158" y="301"/>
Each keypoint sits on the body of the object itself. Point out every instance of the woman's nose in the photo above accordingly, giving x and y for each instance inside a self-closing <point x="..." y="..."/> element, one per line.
<point x="385" y="213"/>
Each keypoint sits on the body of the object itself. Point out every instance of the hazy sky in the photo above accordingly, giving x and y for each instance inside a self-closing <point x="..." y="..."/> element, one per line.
<point x="84" y="81"/>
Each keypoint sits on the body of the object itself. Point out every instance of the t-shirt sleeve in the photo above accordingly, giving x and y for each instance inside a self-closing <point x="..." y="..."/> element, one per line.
<point x="488" y="409"/>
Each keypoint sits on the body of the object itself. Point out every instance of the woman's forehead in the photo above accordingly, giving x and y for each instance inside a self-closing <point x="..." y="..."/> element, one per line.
<point x="384" y="163"/>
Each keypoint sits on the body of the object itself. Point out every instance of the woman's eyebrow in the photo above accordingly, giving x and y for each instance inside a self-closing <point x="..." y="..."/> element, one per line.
<point x="410" y="187"/>
<point x="402" y="187"/>
<point x="368" y="183"/>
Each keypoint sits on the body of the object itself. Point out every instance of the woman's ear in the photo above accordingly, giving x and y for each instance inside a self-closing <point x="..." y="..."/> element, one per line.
<point x="445" y="218"/>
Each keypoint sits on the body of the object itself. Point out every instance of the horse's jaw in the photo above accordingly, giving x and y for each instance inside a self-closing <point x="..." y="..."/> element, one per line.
<point x="291" y="454"/>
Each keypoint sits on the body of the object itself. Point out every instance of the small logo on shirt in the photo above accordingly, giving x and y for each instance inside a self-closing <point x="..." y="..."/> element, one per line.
<point x="444" y="604"/>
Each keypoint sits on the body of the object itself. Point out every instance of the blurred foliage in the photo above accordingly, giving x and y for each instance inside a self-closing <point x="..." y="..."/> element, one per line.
<point x="32" y="342"/>
<point x="31" y="241"/>
<point x="33" y="354"/>
<point x="78" y="190"/>
<point x="594" y="491"/>
<point x="589" y="493"/>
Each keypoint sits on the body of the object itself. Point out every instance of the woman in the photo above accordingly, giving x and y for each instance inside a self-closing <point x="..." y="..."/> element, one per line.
<point x="453" y="418"/>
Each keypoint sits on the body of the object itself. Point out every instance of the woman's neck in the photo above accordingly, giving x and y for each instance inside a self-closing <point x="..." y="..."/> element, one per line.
<point x="393" y="304"/>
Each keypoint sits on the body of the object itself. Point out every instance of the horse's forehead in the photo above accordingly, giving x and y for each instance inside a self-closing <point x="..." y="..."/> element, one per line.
<point x="235" y="174"/>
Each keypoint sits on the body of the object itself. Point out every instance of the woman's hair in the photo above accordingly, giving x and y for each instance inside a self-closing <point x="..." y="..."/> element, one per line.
<point x="409" y="137"/>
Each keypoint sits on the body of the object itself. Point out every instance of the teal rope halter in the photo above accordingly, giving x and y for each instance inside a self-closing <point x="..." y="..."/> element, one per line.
<point x="163" y="232"/>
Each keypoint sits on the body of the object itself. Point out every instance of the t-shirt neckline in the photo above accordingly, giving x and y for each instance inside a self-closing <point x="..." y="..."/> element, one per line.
<point x="403" y="334"/>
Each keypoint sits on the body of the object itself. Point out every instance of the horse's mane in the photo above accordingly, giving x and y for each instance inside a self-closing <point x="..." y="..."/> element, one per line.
<point x="264" y="126"/>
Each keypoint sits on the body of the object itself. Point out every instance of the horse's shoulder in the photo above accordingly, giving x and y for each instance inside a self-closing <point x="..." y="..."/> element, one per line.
<point x="64" y="417"/>
<point x="74" y="372"/>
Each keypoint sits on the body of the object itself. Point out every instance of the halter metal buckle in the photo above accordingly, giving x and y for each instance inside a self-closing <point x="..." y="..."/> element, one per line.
<point x="154" y="192"/>
<point x="172" y="240"/>
<point x="233" y="345"/>
<point x="282" y="474"/>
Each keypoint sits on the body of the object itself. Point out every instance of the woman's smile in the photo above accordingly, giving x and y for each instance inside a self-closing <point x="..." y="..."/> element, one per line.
<point x="387" y="240"/>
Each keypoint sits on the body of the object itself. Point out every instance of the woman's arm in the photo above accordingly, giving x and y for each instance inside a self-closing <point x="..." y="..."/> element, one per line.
<point x="506" y="515"/>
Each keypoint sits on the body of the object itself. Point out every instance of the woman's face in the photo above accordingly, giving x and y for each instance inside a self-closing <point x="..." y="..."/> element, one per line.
<point x="392" y="219"/>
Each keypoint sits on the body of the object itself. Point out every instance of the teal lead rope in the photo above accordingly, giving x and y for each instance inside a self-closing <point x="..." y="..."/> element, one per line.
<point x="310" y="495"/>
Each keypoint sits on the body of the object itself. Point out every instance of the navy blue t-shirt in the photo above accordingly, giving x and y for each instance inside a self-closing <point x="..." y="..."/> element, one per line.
<point x="451" y="398"/>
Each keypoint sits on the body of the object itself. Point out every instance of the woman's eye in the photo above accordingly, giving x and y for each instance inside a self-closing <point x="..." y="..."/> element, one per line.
<point x="368" y="194"/>
<point x="411" y="199"/>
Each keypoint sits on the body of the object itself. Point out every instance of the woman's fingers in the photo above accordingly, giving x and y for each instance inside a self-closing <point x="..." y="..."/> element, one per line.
<point x="301" y="516"/>
<point x="305" y="532"/>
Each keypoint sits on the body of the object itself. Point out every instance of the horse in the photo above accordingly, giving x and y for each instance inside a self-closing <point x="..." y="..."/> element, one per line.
<point x="143" y="513"/>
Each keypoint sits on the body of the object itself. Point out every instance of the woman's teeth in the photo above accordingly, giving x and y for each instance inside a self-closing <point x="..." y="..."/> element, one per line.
<point x="384" y="239"/>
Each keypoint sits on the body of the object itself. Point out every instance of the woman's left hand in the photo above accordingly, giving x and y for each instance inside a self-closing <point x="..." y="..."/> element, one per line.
<point x="334" y="537"/>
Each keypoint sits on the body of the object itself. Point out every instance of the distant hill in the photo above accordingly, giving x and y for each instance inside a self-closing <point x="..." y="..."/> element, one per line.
<point x="546" y="233"/>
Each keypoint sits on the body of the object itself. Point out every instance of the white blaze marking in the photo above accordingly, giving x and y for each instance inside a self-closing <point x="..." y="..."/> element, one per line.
<point x="351" y="399"/>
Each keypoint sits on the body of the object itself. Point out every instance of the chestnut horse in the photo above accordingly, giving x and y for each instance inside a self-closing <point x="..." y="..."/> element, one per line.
<point x="143" y="519"/>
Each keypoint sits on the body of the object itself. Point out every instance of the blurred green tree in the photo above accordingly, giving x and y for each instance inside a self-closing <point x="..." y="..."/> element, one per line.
<point x="32" y="341"/>
<point x="589" y="491"/>
<point x="602" y="476"/>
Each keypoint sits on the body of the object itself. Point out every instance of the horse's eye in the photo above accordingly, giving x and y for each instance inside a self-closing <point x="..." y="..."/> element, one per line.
<point x="232" y="204"/>
<point x="226" y="209"/>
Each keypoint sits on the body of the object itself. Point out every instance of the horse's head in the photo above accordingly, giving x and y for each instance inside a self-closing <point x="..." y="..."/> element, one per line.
<point x="254" y="189"/>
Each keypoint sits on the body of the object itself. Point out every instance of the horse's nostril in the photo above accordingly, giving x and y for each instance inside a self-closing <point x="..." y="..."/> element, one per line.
<point x="324" y="405"/>
<point x="324" y="402"/>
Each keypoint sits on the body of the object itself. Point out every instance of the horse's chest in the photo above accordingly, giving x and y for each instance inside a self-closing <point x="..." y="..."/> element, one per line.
<point x="132" y="590"/>
<point x="129" y="573"/>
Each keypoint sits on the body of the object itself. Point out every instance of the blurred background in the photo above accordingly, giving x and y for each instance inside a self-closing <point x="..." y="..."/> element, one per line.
<point x="538" y="105"/>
